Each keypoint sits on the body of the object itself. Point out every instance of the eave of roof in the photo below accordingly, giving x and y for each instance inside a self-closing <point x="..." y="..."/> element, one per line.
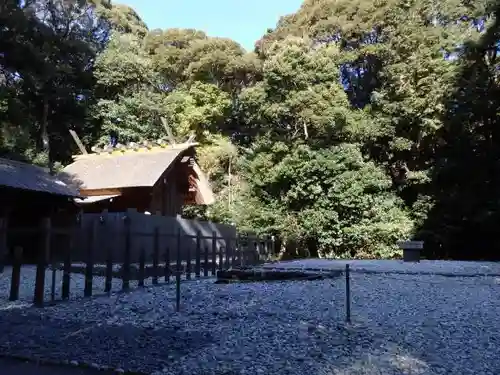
<point x="24" y="176"/>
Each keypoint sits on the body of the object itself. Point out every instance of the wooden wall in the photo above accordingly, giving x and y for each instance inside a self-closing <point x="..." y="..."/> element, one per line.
<point x="23" y="209"/>
<point x="110" y="234"/>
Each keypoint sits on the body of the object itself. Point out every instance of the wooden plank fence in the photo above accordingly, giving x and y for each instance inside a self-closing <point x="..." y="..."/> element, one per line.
<point x="162" y="257"/>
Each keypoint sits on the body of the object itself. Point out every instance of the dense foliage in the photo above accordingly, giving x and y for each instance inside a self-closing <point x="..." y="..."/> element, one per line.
<point x="353" y="124"/>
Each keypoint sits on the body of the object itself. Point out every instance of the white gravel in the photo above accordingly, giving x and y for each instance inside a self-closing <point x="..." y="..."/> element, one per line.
<point x="402" y="324"/>
<point x="424" y="267"/>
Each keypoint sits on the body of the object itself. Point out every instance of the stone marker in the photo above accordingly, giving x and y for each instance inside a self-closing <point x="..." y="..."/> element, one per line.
<point x="411" y="250"/>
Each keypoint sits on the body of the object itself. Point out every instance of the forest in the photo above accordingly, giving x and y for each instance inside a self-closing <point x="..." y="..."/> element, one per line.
<point x="351" y="125"/>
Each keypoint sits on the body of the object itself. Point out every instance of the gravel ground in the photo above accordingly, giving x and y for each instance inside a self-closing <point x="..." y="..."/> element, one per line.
<point x="402" y="324"/>
<point x="424" y="267"/>
<point x="14" y="367"/>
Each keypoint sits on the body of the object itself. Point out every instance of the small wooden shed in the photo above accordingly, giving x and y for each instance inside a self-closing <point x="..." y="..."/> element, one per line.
<point x="29" y="193"/>
<point x="150" y="178"/>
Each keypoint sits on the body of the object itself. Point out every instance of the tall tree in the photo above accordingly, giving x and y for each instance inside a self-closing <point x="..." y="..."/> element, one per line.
<point x="49" y="48"/>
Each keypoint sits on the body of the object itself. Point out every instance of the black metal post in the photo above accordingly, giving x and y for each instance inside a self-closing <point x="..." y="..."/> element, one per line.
<point x="347" y="294"/>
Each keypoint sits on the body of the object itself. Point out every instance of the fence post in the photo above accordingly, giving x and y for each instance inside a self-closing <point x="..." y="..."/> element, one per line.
<point x="178" y="290"/>
<point x="214" y="252"/>
<point x="240" y="250"/>
<point x="197" y="269"/>
<point x="89" y="269"/>
<point x="205" y="262"/>
<point x="256" y="251"/>
<point x="179" y="251"/>
<point x="221" y="257"/>
<point x="347" y="294"/>
<point x="108" y="274"/>
<point x="66" y="280"/>
<point x="53" y="278"/>
<point x="237" y="252"/>
<point x="42" y="262"/>
<point x="126" y="256"/>
<point x="228" y="253"/>
<point x="156" y="254"/>
<point x="142" y="266"/>
<point x="3" y="243"/>
<point x="234" y="241"/>
<point x="15" y="281"/>
<point x="178" y="274"/>
<point x="188" y="259"/>
<point x="265" y="247"/>
<point x="167" y="265"/>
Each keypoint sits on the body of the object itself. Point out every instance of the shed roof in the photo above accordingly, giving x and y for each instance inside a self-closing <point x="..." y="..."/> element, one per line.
<point x="123" y="169"/>
<point x="18" y="175"/>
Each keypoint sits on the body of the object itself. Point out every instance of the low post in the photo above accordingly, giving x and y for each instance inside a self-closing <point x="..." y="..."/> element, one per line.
<point x="3" y="243"/>
<point x="15" y="281"/>
<point x="411" y="250"/>
<point x="43" y="254"/>
<point x="347" y="294"/>
<point x="156" y="254"/>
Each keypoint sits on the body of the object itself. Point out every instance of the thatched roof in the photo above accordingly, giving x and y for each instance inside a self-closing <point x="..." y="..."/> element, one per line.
<point x="116" y="170"/>
<point x="17" y="175"/>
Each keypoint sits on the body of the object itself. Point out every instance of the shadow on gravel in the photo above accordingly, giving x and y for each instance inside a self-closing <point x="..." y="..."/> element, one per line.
<point x="17" y="367"/>
<point x="38" y="336"/>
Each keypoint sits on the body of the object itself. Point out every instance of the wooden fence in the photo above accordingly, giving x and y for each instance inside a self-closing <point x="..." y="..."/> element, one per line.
<point x="107" y="233"/>
<point x="127" y="253"/>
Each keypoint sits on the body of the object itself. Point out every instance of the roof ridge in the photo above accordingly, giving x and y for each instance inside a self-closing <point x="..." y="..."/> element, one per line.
<point x="134" y="148"/>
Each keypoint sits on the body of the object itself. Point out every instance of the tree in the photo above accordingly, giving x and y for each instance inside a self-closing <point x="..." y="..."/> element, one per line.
<point x="48" y="48"/>
<point x="329" y="201"/>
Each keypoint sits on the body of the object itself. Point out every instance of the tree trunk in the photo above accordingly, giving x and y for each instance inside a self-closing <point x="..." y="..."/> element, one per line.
<point x="44" y="130"/>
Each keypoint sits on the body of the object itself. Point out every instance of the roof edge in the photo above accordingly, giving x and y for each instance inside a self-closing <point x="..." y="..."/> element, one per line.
<point x="116" y="152"/>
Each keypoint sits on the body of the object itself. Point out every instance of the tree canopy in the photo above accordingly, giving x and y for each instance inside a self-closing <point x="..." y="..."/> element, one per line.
<point x="350" y="126"/>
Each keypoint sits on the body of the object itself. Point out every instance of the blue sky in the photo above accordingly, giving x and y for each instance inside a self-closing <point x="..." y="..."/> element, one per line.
<point x="241" y="20"/>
